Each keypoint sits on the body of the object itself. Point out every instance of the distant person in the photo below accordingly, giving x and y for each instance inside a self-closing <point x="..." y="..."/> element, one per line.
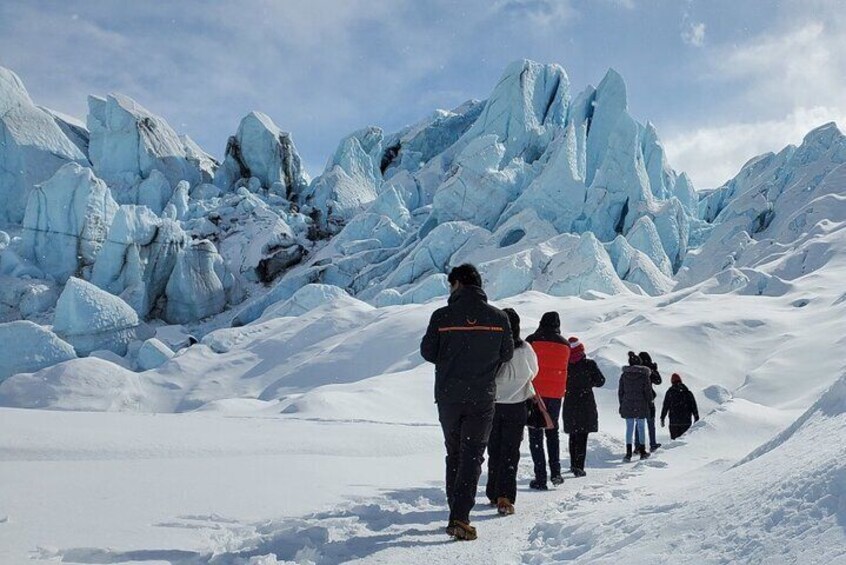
<point x="513" y="389"/>
<point x="553" y="353"/>
<point x="655" y="378"/>
<point x="635" y="394"/>
<point x="467" y="340"/>
<point x="680" y="405"/>
<point x="578" y="414"/>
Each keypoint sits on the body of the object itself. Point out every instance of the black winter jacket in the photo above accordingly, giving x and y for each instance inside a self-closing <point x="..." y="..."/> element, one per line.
<point x="680" y="404"/>
<point x="635" y="392"/>
<point x="579" y="408"/>
<point x="467" y="340"/>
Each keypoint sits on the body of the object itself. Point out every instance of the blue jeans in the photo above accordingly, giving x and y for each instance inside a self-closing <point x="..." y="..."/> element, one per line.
<point x="630" y="426"/>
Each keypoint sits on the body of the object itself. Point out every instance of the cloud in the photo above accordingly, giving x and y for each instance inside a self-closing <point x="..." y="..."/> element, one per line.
<point x="693" y="33"/>
<point x="713" y="155"/>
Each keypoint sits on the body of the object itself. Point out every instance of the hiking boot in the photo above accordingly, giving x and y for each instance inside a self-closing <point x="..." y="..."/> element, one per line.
<point x="538" y="485"/>
<point x="628" y="456"/>
<point x="579" y="472"/>
<point x="654" y="446"/>
<point x="450" y="529"/>
<point x="504" y="506"/>
<point x="463" y="531"/>
<point x="643" y="453"/>
<point x="557" y="480"/>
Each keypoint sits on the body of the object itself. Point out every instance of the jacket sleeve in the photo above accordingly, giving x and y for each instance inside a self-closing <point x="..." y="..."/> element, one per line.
<point x="506" y="347"/>
<point x="648" y="393"/>
<point x="431" y="341"/>
<point x="620" y="392"/>
<point x="693" y="407"/>
<point x="596" y="377"/>
<point x="666" y="406"/>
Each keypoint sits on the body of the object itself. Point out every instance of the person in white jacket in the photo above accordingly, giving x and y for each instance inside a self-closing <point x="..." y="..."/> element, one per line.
<point x="513" y="390"/>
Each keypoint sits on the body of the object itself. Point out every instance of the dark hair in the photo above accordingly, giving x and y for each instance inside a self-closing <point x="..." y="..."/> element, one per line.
<point x="514" y="320"/>
<point x="634" y="359"/>
<point x="466" y="274"/>
<point x="647" y="360"/>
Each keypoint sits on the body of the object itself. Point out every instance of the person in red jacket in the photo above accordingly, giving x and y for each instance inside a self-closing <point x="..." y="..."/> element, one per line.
<point x="553" y="353"/>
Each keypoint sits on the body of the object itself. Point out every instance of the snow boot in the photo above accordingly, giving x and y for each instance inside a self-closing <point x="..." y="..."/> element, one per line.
<point x="557" y="480"/>
<point x="463" y="531"/>
<point x="579" y="472"/>
<point x="537" y="484"/>
<point x="643" y="452"/>
<point x="628" y="456"/>
<point x="504" y="506"/>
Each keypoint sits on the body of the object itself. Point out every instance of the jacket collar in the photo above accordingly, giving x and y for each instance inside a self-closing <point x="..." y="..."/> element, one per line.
<point x="468" y="292"/>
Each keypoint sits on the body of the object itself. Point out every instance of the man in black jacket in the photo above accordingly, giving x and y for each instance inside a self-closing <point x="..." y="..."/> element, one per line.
<point x="680" y="404"/>
<point x="467" y="340"/>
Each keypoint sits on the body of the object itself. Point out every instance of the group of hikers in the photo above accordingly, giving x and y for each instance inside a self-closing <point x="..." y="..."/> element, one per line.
<point x="490" y="384"/>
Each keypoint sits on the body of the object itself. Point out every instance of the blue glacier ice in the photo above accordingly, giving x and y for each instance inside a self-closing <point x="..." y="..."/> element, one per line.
<point x="644" y="237"/>
<point x="32" y="147"/>
<point x="29" y="348"/>
<point x="152" y="354"/>
<point x="194" y="289"/>
<point x="66" y="222"/>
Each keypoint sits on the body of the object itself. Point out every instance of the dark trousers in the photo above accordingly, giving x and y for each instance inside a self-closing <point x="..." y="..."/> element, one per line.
<point x="677" y="430"/>
<point x="466" y="430"/>
<point x="504" y="450"/>
<point x="536" y="435"/>
<point x="650" y="424"/>
<point x="578" y="450"/>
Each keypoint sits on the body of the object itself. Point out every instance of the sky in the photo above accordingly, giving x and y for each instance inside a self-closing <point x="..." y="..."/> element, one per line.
<point x="722" y="80"/>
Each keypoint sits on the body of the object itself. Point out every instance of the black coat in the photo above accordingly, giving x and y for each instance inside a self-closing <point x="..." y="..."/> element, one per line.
<point x="680" y="404"/>
<point x="635" y="392"/>
<point x="467" y="340"/>
<point x="579" y="408"/>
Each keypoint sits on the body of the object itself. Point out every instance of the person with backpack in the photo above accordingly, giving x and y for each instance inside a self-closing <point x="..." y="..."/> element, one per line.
<point x="680" y="404"/>
<point x="513" y="390"/>
<point x="635" y="394"/>
<point x="579" y="415"/>
<point x="467" y="340"/>
<point x="655" y="378"/>
<point x="553" y="353"/>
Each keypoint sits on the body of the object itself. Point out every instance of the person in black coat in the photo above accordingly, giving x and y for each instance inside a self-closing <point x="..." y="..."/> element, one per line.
<point x="467" y="340"/>
<point x="635" y="395"/>
<point x="580" y="416"/>
<point x="680" y="404"/>
<point x="655" y="378"/>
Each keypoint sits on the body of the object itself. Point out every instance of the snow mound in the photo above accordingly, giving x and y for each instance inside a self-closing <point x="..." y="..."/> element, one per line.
<point x="30" y="347"/>
<point x="90" y="318"/>
<point x="304" y="300"/>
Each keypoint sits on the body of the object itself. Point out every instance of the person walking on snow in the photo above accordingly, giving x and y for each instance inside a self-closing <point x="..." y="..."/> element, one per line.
<point x="635" y="394"/>
<point x="655" y="378"/>
<point x="680" y="404"/>
<point x="578" y="414"/>
<point x="513" y="389"/>
<point x="467" y="340"/>
<point x="553" y="353"/>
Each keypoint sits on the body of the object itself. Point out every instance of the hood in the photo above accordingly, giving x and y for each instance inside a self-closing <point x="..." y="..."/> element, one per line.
<point x="550" y="321"/>
<point x="634" y="371"/>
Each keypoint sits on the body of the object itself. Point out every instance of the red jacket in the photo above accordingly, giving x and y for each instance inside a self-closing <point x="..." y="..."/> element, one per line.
<point x="553" y="357"/>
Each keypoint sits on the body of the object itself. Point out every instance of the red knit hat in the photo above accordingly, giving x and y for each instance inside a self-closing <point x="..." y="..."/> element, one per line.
<point x="675" y="379"/>
<point x="577" y="348"/>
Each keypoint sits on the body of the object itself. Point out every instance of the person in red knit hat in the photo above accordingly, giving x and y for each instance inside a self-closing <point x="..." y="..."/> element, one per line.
<point x="579" y="414"/>
<point x="553" y="352"/>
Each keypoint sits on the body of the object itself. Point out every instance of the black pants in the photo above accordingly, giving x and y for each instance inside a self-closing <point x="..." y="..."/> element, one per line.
<point x="578" y="450"/>
<point x="504" y="450"/>
<point x="676" y="430"/>
<point x="536" y="435"/>
<point x="650" y="424"/>
<point x="466" y="430"/>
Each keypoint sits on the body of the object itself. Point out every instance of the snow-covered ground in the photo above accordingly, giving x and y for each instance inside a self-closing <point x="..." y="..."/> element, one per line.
<point x="314" y="438"/>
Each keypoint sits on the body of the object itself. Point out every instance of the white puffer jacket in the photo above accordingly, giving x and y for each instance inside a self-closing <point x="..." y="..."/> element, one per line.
<point x="514" y="379"/>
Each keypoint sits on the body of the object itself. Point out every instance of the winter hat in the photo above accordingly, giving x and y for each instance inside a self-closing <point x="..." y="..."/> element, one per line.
<point x="551" y="320"/>
<point x="577" y="349"/>
<point x="514" y="321"/>
<point x="676" y="379"/>
<point x="634" y="359"/>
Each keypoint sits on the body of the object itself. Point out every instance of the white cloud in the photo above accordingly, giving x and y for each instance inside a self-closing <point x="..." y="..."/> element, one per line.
<point x="713" y="155"/>
<point x="693" y="33"/>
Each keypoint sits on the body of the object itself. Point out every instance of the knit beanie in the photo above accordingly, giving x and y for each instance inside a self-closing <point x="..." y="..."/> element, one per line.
<point x="577" y="349"/>
<point x="675" y="379"/>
